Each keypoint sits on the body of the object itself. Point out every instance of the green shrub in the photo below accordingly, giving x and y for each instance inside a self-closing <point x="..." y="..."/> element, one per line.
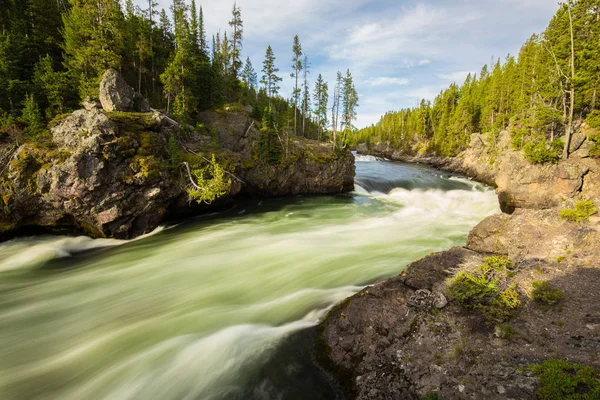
<point x="561" y="380"/>
<point x="210" y="183"/>
<point x="595" y="150"/>
<point x="469" y="289"/>
<point x="497" y="263"/>
<point x="431" y="396"/>
<point x="582" y="212"/>
<point x="176" y="158"/>
<point x="593" y="119"/>
<point x="543" y="152"/>
<point x="32" y="117"/>
<point x="487" y="288"/>
<point x="544" y="292"/>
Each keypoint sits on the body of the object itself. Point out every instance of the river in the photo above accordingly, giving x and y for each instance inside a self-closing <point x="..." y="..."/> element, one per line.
<point x="206" y="309"/>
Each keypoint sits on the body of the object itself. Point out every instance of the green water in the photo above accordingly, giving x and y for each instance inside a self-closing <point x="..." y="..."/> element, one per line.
<point x="196" y="310"/>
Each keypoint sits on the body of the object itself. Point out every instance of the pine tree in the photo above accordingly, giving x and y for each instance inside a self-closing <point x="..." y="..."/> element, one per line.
<point x="270" y="79"/>
<point x="94" y="41"/>
<point x="305" y="96"/>
<point x="320" y="98"/>
<point x="335" y="108"/>
<point x="349" y="102"/>
<point x="202" y="36"/>
<point x="249" y="77"/>
<point x="236" y="24"/>
<point x="297" y="66"/>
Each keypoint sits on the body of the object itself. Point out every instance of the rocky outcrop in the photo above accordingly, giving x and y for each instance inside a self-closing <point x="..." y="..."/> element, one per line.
<point x="398" y="339"/>
<point x="116" y="95"/>
<point x="111" y="173"/>
<point x="519" y="183"/>
<point x="312" y="167"/>
<point x="97" y="176"/>
<point x="382" y="344"/>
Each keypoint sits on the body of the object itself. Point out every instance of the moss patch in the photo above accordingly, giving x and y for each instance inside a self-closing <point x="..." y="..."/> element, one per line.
<point x="133" y="122"/>
<point x="582" y="211"/>
<point x="561" y="380"/>
<point x="543" y="292"/>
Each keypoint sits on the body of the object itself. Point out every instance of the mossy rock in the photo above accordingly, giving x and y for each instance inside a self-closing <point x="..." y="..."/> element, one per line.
<point x="134" y="122"/>
<point x="7" y="226"/>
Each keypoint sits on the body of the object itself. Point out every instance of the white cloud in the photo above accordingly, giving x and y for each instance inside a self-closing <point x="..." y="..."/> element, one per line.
<point x="388" y="81"/>
<point x="416" y="31"/>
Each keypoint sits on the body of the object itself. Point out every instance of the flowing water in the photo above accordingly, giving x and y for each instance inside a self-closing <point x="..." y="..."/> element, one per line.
<point x="203" y="310"/>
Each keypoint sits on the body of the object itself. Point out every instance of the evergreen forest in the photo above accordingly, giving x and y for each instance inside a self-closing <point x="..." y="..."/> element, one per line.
<point x="541" y="96"/>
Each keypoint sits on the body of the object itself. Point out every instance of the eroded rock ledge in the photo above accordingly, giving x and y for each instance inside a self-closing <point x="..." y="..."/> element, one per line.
<point x="519" y="184"/>
<point x="383" y="346"/>
<point x="110" y="169"/>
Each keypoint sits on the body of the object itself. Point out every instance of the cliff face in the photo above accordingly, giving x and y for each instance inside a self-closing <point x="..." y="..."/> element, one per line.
<point x="519" y="183"/>
<point x="399" y="338"/>
<point x="114" y="173"/>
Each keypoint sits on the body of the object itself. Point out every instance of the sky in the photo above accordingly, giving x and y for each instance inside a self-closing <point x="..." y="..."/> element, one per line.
<point x="398" y="51"/>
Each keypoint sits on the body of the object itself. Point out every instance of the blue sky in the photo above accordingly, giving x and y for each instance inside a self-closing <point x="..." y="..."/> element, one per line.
<point x="398" y="51"/>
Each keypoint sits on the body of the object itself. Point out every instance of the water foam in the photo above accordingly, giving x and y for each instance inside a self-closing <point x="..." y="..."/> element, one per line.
<point x="30" y="252"/>
<point x="366" y="158"/>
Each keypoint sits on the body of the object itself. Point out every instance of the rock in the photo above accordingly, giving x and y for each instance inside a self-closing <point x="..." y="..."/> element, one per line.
<point x="362" y="148"/>
<point x="319" y="170"/>
<point x="577" y="140"/>
<point x="82" y="128"/>
<point x="427" y="300"/>
<point x="91" y="104"/>
<point x="115" y="94"/>
<point x="428" y="272"/>
<point x="141" y="104"/>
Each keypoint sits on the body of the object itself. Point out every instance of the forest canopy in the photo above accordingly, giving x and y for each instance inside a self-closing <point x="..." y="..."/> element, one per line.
<point x="53" y="53"/>
<point x="540" y="94"/>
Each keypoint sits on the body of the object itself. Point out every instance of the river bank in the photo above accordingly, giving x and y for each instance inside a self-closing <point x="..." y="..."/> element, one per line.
<point x="110" y="171"/>
<point x="397" y="339"/>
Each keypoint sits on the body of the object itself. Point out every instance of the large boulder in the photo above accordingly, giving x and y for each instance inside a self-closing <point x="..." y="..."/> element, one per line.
<point x="116" y="95"/>
<point x="98" y="176"/>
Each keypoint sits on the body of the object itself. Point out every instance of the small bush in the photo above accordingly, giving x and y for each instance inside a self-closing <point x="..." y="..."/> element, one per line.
<point x="593" y="119"/>
<point x="543" y="152"/>
<point x="595" y="150"/>
<point x="543" y="292"/>
<point x="487" y="288"/>
<point x="497" y="263"/>
<point x="468" y="288"/>
<point x="562" y="380"/>
<point x="210" y="183"/>
<point x="582" y="212"/>
<point x="431" y="396"/>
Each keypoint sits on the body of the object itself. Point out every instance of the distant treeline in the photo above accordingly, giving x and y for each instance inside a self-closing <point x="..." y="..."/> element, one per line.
<point x="553" y="82"/>
<point x="53" y="53"/>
